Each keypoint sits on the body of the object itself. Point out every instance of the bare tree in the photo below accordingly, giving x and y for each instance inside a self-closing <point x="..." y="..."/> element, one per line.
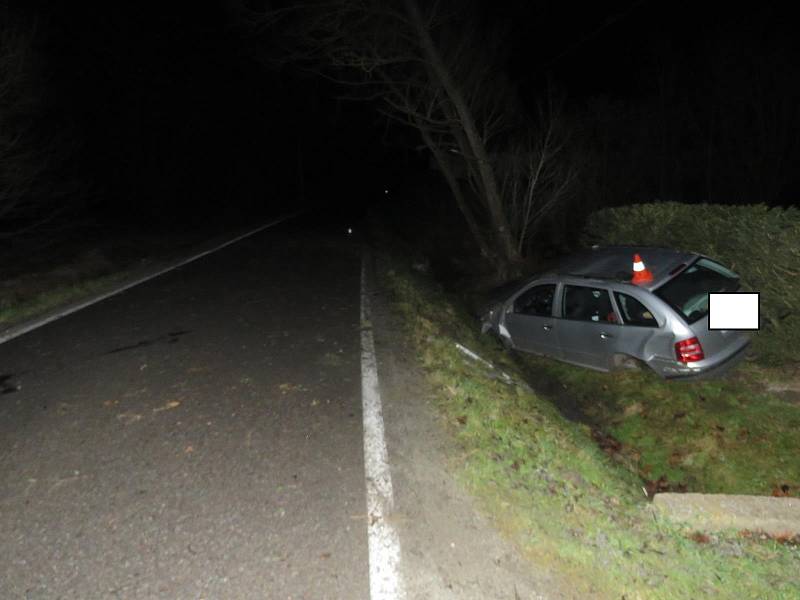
<point x="424" y="66"/>
<point x="536" y="174"/>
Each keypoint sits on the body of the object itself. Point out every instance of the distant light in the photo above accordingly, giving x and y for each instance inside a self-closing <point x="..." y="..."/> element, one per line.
<point x="386" y="191"/>
<point x="349" y="231"/>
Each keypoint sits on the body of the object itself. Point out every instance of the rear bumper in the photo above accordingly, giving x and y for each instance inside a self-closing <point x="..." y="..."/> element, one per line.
<point x="717" y="370"/>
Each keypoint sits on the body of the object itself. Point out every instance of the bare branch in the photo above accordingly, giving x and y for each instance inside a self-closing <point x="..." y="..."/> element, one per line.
<point x="420" y="63"/>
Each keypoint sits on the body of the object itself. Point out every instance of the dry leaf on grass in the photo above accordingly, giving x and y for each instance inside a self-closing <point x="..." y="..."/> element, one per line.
<point x="700" y="538"/>
<point x="633" y="409"/>
<point x="780" y="491"/>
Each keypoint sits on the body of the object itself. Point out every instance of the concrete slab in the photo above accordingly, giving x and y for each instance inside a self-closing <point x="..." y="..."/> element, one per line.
<point x="718" y="512"/>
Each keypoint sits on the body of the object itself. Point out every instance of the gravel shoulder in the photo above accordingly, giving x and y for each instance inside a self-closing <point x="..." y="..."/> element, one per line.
<point x="450" y="548"/>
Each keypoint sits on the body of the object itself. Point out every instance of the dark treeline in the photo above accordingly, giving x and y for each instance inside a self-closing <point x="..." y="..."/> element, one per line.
<point x="179" y="125"/>
<point x="39" y="142"/>
<point x="713" y="118"/>
<point x="141" y="115"/>
<point x="154" y="118"/>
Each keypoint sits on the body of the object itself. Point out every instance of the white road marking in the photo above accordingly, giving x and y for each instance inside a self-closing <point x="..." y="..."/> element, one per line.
<point x="385" y="582"/>
<point x="22" y="328"/>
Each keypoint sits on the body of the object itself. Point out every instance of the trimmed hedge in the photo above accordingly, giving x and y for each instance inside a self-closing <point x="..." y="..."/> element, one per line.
<point x="761" y="244"/>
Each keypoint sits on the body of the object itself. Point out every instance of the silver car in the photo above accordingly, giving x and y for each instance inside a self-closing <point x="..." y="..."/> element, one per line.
<point x="588" y="312"/>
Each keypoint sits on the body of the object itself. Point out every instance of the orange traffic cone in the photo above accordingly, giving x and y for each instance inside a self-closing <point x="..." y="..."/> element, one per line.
<point x="641" y="274"/>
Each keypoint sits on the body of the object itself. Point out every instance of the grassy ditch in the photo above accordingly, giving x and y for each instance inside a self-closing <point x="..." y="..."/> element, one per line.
<point x="717" y="436"/>
<point x="37" y="280"/>
<point x="736" y="435"/>
<point x="553" y="490"/>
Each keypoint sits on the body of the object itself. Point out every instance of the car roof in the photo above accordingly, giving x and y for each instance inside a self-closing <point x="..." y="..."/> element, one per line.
<point x="616" y="263"/>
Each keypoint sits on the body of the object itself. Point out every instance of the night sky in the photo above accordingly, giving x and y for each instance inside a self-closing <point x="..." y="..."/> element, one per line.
<point x="173" y="118"/>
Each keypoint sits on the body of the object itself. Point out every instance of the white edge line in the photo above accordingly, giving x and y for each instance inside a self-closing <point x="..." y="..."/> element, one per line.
<point x="23" y="328"/>
<point x="385" y="582"/>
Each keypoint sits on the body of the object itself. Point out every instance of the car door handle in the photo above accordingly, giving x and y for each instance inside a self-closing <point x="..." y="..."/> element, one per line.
<point x="547" y="327"/>
<point x="605" y="335"/>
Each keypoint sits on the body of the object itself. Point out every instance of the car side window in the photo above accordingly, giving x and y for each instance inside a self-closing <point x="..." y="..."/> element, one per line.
<point x="588" y="304"/>
<point x="536" y="301"/>
<point x="634" y="312"/>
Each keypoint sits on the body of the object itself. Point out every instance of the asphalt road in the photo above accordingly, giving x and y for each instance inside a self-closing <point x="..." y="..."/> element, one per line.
<point x="198" y="436"/>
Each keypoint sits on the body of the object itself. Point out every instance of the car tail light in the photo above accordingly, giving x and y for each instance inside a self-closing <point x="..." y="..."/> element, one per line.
<point x="689" y="350"/>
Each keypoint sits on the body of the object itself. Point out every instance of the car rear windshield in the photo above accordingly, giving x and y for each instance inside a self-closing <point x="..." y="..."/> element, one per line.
<point x="688" y="292"/>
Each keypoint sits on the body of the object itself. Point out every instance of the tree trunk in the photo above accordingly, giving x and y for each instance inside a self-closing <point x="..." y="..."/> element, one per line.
<point x="500" y="227"/>
<point x="458" y="195"/>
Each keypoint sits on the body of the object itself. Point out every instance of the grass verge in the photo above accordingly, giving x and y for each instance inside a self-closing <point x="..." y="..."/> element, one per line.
<point x="38" y="280"/>
<point x="550" y="487"/>
<point x="717" y="436"/>
<point x="21" y="307"/>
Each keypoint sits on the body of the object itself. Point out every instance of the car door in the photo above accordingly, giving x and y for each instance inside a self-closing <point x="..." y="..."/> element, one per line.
<point x="588" y="326"/>
<point x="530" y="321"/>
<point x="640" y="325"/>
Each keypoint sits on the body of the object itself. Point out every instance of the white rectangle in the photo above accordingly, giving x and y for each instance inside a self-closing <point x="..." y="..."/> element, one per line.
<point x="733" y="311"/>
